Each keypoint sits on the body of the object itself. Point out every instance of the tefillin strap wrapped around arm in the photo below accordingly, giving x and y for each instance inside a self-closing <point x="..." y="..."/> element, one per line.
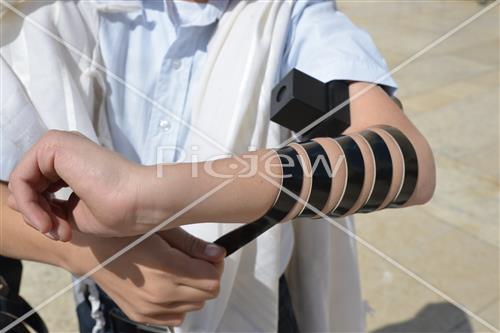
<point x="383" y="171"/>
<point x="410" y="174"/>
<point x="315" y="109"/>
<point x="297" y="102"/>
<point x="321" y="177"/>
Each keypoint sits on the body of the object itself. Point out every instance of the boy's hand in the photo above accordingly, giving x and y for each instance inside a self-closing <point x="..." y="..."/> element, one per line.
<point x="105" y="187"/>
<point x="156" y="282"/>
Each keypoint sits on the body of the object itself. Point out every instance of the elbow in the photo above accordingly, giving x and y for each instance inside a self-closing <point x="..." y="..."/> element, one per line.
<point x="426" y="183"/>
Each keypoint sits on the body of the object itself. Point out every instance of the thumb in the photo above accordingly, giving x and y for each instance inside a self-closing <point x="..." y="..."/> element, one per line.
<point x="193" y="246"/>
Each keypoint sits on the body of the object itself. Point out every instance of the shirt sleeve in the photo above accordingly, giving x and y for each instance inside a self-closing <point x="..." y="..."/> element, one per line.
<point x="20" y="124"/>
<point x="324" y="43"/>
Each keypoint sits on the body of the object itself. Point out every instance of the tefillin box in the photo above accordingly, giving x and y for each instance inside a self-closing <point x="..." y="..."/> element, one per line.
<point x="300" y="100"/>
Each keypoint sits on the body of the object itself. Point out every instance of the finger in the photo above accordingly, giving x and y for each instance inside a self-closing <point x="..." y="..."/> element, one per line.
<point x="188" y="294"/>
<point x="147" y="313"/>
<point x="163" y="319"/>
<point x="219" y="267"/>
<point x="195" y="273"/>
<point x="52" y="234"/>
<point x="172" y="308"/>
<point x="28" y="204"/>
<point x="11" y="203"/>
<point x="193" y="246"/>
<point x="61" y="229"/>
<point x="183" y="307"/>
<point x="167" y="320"/>
<point x="26" y="183"/>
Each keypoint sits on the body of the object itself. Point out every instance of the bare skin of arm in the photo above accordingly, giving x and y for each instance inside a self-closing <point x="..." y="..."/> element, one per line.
<point x="114" y="197"/>
<point x="166" y="276"/>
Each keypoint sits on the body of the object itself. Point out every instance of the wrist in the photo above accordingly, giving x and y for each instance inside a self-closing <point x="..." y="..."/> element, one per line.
<point x="154" y="200"/>
<point x="66" y="256"/>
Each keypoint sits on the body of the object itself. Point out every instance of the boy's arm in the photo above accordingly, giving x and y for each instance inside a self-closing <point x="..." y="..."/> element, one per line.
<point x="172" y="272"/>
<point x="115" y="197"/>
<point x="19" y="240"/>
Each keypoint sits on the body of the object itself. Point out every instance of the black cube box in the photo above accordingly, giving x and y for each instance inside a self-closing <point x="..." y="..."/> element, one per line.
<point x="299" y="99"/>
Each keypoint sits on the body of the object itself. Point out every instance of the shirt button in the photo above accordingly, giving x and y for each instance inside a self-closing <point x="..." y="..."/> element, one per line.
<point x="165" y="125"/>
<point x="176" y="64"/>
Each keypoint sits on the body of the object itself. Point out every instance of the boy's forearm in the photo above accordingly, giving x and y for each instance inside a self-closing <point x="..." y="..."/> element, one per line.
<point x="114" y="197"/>
<point x="242" y="188"/>
<point x="247" y="199"/>
<point x="19" y="240"/>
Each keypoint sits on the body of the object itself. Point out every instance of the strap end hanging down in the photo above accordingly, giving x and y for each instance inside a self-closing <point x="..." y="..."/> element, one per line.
<point x="236" y="239"/>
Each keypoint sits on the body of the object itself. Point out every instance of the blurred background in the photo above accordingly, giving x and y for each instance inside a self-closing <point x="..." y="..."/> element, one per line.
<point x="451" y="93"/>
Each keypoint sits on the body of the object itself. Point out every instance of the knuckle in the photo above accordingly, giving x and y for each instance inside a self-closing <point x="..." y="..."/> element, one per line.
<point x="158" y="295"/>
<point x="199" y="306"/>
<point x="156" y="298"/>
<point x="52" y="134"/>
<point x="177" y="320"/>
<point x="142" y="310"/>
<point x="51" y="141"/>
<point x="137" y="317"/>
<point x="13" y="178"/>
<point x="149" y="296"/>
<point x="214" y="288"/>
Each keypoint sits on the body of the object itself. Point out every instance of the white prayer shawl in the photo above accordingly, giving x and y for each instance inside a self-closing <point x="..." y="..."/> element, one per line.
<point x="52" y="66"/>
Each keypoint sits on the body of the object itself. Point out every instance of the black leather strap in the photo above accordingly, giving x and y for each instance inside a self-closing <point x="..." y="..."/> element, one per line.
<point x="17" y="307"/>
<point x="11" y="271"/>
<point x="292" y="180"/>
<point x="236" y="239"/>
<point x="7" y="319"/>
<point x="321" y="177"/>
<point x="355" y="175"/>
<point x="13" y="306"/>
<point x="383" y="171"/>
<point x="410" y="166"/>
